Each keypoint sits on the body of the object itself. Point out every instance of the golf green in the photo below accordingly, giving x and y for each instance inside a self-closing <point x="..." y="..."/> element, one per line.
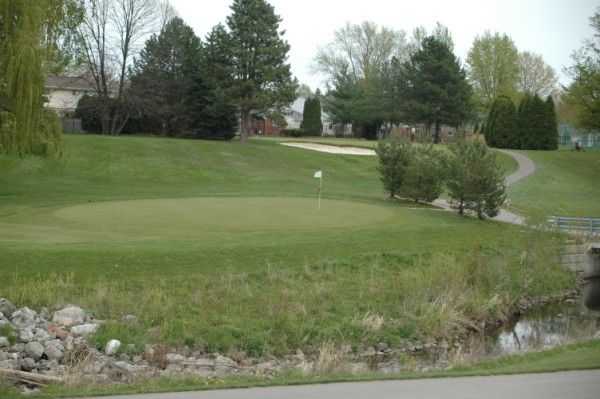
<point x="191" y="218"/>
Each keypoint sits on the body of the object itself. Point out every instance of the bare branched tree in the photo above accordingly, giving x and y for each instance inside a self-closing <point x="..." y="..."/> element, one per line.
<point x="111" y="35"/>
<point x="361" y="49"/>
<point x="535" y="76"/>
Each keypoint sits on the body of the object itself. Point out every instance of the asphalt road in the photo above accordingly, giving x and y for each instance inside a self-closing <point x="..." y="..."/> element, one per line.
<point x="567" y="385"/>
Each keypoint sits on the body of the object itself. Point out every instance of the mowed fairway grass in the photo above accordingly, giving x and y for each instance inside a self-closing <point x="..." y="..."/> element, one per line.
<point x="221" y="246"/>
<point x="566" y="183"/>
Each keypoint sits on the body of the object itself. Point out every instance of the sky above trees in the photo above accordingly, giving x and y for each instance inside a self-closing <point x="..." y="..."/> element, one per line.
<point x="552" y="28"/>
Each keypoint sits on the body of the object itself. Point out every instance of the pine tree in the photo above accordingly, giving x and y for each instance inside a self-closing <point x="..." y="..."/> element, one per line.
<point x="216" y="114"/>
<point x="435" y="87"/>
<point x="475" y="179"/>
<point x="262" y="74"/>
<point x="501" y="124"/>
<point x="162" y="77"/>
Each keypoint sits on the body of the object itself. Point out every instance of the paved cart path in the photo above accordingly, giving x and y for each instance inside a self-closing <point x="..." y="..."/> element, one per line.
<point x="574" y="385"/>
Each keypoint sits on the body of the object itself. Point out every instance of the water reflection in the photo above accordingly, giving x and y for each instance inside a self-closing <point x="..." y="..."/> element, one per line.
<point x="544" y="329"/>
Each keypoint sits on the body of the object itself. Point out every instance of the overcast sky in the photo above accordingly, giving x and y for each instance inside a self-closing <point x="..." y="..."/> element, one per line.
<point x="552" y="28"/>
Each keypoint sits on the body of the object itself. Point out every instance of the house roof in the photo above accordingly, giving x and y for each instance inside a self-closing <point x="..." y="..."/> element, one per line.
<point x="69" y="83"/>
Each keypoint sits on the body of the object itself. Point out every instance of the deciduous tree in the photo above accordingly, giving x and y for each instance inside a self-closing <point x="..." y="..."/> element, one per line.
<point x="535" y="76"/>
<point x="493" y="68"/>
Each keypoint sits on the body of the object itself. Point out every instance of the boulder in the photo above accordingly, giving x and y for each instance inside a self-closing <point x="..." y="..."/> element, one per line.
<point x="4" y="342"/>
<point x="112" y="347"/>
<point x="84" y="330"/>
<point x="54" y="350"/>
<point x="6" y="307"/>
<point x="27" y="364"/>
<point x="23" y="318"/>
<point x="58" y="332"/>
<point x="26" y="335"/>
<point x="175" y="358"/>
<point x="35" y="350"/>
<point x="41" y="335"/>
<point x="69" y="316"/>
<point x="9" y="364"/>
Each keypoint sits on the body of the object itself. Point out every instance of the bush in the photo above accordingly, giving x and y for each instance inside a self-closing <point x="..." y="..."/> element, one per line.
<point x="424" y="176"/>
<point x="395" y="156"/>
<point x="293" y="133"/>
<point x="475" y="179"/>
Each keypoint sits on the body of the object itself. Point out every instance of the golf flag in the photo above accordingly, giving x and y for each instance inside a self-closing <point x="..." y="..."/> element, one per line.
<point x="319" y="175"/>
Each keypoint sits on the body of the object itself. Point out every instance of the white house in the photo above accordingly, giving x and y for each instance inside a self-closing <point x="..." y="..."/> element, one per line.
<point x="295" y="112"/>
<point x="64" y="93"/>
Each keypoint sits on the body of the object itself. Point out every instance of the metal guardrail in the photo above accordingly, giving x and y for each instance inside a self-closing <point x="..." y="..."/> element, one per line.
<point x="580" y="225"/>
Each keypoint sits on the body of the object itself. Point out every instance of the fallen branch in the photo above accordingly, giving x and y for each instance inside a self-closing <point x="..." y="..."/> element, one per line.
<point x="30" y="378"/>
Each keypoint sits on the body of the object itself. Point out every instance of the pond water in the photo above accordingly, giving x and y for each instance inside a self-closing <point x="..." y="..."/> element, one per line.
<point x="541" y="329"/>
<point x="545" y="328"/>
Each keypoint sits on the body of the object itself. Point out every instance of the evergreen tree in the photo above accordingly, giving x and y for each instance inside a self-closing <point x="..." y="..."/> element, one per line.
<point x="424" y="177"/>
<point x="533" y="117"/>
<point x="551" y="126"/>
<point x="311" y="119"/>
<point x="162" y="77"/>
<point x="435" y="87"/>
<point x="215" y="113"/>
<point x="475" y="179"/>
<point x="262" y="75"/>
<point x="501" y="128"/>
<point x="395" y="156"/>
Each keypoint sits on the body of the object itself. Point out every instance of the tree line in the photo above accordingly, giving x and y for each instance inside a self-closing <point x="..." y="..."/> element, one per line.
<point x="181" y="85"/>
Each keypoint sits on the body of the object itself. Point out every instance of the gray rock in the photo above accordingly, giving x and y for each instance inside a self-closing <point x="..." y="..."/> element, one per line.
<point x="54" y="350"/>
<point x="27" y="364"/>
<point x="222" y="362"/>
<point x="3" y="356"/>
<point x="26" y="335"/>
<point x="84" y="330"/>
<point x="9" y="364"/>
<point x="69" y="316"/>
<point x="4" y="342"/>
<point x="597" y="335"/>
<point x="41" y="335"/>
<point x="6" y="307"/>
<point x="112" y="347"/>
<point x="20" y="347"/>
<point x="24" y="318"/>
<point x="34" y="350"/>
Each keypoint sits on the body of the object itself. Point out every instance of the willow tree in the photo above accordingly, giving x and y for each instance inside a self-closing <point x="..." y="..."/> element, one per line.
<point x="25" y="127"/>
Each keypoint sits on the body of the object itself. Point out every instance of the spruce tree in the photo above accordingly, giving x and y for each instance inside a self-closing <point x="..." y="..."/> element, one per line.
<point x="262" y="74"/>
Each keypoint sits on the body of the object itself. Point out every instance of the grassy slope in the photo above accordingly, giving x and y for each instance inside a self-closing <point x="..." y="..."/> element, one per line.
<point x="565" y="184"/>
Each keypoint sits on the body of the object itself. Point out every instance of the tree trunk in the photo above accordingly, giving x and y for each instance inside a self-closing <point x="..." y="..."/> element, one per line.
<point x="436" y="136"/>
<point x="245" y="128"/>
<point x="461" y="208"/>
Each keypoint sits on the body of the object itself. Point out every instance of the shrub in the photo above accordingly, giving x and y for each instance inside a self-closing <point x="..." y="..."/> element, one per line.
<point x="475" y="179"/>
<point x="424" y="176"/>
<point x="394" y="158"/>
<point x="293" y="133"/>
<point x="537" y="129"/>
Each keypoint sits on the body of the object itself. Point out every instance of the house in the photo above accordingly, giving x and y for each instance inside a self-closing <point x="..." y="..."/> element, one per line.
<point x="294" y="114"/>
<point x="64" y="92"/>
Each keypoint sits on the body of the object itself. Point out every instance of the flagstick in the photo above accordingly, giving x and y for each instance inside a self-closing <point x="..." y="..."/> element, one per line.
<point x="320" y="189"/>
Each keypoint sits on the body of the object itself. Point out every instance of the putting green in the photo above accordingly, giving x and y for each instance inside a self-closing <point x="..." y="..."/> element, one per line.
<point x="192" y="218"/>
